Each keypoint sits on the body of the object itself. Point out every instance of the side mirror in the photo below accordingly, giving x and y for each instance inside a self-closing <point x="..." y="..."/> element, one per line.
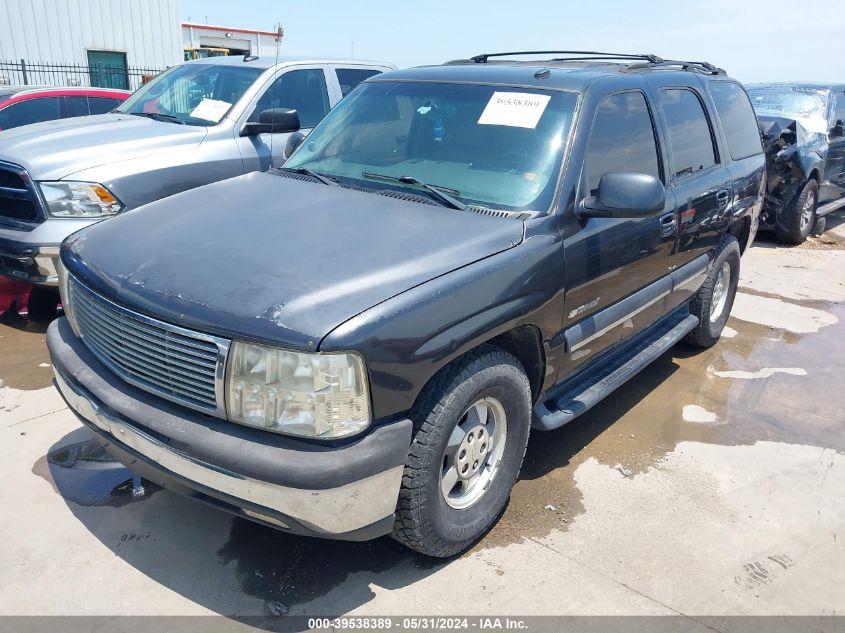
<point x="294" y="141"/>
<point x="273" y="121"/>
<point x="625" y="195"/>
<point x="838" y="129"/>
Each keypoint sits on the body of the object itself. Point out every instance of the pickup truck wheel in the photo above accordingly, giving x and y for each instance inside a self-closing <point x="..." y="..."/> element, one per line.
<point x="712" y="305"/>
<point x="799" y="216"/>
<point x="472" y="427"/>
<point x="43" y="304"/>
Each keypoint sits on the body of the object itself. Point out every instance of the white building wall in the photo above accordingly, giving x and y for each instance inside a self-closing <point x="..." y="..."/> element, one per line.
<point x="62" y="31"/>
<point x="262" y="44"/>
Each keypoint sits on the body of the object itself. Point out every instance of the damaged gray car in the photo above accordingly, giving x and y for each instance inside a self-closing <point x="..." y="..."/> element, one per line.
<point x="803" y="128"/>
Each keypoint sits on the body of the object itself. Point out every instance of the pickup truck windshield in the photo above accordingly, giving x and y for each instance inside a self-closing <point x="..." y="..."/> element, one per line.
<point x="490" y="145"/>
<point x="808" y="106"/>
<point x="194" y="94"/>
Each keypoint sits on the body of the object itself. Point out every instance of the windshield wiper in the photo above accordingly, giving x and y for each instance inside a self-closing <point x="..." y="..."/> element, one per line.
<point x="159" y="116"/>
<point x="441" y="193"/>
<point x="307" y="172"/>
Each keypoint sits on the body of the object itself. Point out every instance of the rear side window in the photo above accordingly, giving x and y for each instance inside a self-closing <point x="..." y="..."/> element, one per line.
<point x="29" y="111"/>
<point x="303" y="90"/>
<point x="690" y="137"/>
<point x="622" y="139"/>
<point x="101" y="105"/>
<point x="737" y="118"/>
<point x="76" y="106"/>
<point x="348" y="78"/>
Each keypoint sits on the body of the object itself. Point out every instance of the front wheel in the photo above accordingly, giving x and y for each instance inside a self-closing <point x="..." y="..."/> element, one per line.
<point x="714" y="300"/>
<point x="798" y="217"/>
<point x="472" y="426"/>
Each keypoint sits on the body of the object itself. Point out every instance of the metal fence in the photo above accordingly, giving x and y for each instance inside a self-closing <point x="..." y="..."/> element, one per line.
<point x="26" y="73"/>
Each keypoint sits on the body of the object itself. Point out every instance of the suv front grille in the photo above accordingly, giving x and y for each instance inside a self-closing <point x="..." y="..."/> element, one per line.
<point x="19" y="201"/>
<point x="15" y="209"/>
<point x="175" y="363"/>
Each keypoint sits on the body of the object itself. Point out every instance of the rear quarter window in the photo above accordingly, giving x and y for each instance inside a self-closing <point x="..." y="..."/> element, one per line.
<point x="101" y="105"/>
<point x="738" y="119"/>
<point x="348" y="78"/>
<point x="690" y="136"/>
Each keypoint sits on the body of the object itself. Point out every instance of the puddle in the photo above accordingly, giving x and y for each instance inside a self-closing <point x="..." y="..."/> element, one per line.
<point x="644" y="420"/>
<point x="88" y="476"/>
<point x="24" y="363"/>
<point x="289" y="570"/>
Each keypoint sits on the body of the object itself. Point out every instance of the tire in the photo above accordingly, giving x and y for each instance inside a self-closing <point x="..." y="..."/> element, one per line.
<point x="444" y="524"/>
<point x="797" y="219"/>
<point x="714" y="300"/>
<point x="43" y="305"/>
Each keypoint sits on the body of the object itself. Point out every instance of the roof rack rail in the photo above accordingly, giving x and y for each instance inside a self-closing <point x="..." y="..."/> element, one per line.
<point x="702" y="67"/>
<point x="585" y="55"/>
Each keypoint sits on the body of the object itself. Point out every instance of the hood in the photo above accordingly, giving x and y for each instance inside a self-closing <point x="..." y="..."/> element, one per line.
<point x="274" y="259"/>
<point x="56" y="149"/>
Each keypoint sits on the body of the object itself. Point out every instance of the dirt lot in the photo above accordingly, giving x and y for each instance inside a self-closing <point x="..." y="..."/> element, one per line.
<point x="710" y="485"/>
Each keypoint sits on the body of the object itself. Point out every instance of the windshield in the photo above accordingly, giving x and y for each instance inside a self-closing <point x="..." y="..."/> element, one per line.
<point x="808" y="106"/>
<point x="492" y="146"/>
<point x="195" y="94"/>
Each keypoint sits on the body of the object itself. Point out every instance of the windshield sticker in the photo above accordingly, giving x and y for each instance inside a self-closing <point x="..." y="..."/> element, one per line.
<point x="514" y="109"/>
<point x="211" y="109"/>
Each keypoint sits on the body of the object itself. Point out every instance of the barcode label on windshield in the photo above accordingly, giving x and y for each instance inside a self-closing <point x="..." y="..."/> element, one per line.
<point x="514" y="109"/>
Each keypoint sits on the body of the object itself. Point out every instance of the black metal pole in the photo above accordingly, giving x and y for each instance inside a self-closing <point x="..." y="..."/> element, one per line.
<point x="23" y="72"/>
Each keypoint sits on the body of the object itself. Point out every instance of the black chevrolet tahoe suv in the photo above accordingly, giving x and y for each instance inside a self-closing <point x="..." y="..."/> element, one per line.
<point x="359" y="342"/>
<point x="803" y="127"/>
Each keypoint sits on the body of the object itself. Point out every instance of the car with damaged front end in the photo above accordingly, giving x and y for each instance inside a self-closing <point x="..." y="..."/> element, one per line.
<point x="803" y="128"/>
<point x="359" y="342"/>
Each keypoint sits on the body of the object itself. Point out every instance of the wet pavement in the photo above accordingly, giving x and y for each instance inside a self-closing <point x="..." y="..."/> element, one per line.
<point x="711" y="484"/>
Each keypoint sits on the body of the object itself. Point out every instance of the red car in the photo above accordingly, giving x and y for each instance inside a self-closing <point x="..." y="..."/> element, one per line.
<point x="21" y="105"/>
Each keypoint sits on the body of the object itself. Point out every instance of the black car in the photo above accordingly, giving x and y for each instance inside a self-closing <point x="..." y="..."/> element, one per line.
<point x="359" y="342"/>
<point x="803" y="128"/>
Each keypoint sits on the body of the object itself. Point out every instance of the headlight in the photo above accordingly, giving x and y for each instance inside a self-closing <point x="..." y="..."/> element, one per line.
<point x="65" y="295"/>
<point x="79" y="200"/>
<point x="311" y="395"/>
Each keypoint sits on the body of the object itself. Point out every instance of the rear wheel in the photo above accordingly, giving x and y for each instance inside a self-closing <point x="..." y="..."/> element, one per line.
<point x="797" y="219"/>
<point x="714" y="300"/>
<point x="472" y="427"/>
<point x="43" y="305"/>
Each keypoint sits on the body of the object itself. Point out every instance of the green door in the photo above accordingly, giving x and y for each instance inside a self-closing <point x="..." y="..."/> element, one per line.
<point x="108" y="69"/>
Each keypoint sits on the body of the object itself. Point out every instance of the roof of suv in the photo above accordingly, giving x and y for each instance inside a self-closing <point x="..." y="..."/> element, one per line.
<point x="570" y="72"/>
<point x="268" y="61"/>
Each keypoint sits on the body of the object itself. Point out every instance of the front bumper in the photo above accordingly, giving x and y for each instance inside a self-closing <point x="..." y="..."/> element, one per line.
<point x="31" y="254"/>
<point x="347" y="492"/>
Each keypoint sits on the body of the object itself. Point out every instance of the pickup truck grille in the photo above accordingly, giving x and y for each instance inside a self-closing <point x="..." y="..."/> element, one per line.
<point x="172" y="362"/>
<point x="18" y="199"/>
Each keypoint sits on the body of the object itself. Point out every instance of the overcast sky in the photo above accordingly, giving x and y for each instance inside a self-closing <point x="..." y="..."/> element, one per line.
<point x="754" y="40"/>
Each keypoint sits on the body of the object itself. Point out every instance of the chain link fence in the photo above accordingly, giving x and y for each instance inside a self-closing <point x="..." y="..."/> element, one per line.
<point x="24" y="73"/>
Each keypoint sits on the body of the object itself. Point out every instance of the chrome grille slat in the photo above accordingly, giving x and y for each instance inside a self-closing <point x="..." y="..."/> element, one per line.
<point x="171" y="361"/>
<point x="151" y="355"/>
<point x="128" y="322"/>
<point x="149" y="374"/>
<point x="126" y="357"/>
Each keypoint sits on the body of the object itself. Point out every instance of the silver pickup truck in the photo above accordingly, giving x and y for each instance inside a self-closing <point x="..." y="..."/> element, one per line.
<point x="196" y="123"/>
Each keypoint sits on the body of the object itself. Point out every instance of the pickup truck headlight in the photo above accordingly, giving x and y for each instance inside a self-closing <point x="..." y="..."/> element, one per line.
<point x="68" y="199"/>
<point x="318" y="395"/>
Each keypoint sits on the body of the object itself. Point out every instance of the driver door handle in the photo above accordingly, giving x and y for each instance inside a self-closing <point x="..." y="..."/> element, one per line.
<point x="669" y="224"/>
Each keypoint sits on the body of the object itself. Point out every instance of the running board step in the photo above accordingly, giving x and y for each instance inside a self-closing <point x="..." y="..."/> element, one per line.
<point x="829" y="207"/>
<point x="606" y="378"/>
